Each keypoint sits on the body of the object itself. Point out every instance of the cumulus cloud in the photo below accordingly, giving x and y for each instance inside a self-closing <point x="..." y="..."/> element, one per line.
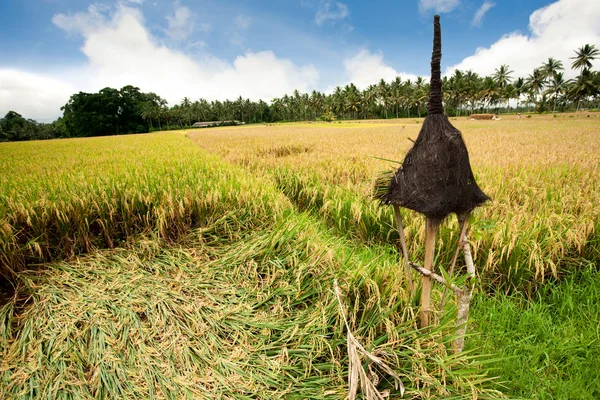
<point x="480" y="13"/>
<point x="33" y="95"/>
<point x="551" y="34"/>
<point x="366" y="68"/>
<point x="438" y="6"/>
<point x="120" y="51"/>
<point x="82" y="22"/>
<point x="331" y="10"/>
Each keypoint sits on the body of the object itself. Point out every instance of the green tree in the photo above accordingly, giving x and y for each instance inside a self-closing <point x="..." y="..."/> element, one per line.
<point x="556" y="88"/>
<point x="551" y="68"/>
<point x="584" y="57"/>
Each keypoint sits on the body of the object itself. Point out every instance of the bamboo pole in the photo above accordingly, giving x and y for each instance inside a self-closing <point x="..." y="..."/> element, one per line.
<point x="404" y="249"/>
<point x="431" y="231"/>
<point x="464" y="301"/>
<point x="462" y="222"/>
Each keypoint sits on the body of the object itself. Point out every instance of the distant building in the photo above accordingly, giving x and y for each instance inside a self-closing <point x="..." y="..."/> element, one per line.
<point x="216" y="123"/>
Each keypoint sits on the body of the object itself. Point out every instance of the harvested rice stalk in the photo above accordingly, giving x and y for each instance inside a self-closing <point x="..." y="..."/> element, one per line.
<point x="356" y="373"/>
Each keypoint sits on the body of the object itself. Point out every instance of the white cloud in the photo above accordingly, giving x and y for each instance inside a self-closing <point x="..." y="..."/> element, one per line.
<point x="81" y="22"/>
<point x="181" y="23"/>
<point x="331" y="10"/>
<point x="480" y="13"/>
<point x="136" y="1"/>
<point x="33" y="95"/>
<point x="438" y="6"/>
<point x="554" y="31"/>
<point x="120" y="51"/>
<point x="366" y="68"/>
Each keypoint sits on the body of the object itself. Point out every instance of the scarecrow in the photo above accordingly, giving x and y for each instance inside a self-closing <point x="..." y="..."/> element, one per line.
<point x="436" y="180"/>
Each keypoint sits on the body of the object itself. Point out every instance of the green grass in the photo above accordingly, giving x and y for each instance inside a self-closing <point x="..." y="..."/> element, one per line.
<point x="550" y="345"/>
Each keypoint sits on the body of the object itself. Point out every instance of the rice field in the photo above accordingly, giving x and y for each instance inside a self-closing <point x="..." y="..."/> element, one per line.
<point x="542" y="173"/>
<point x="201" y="264"/>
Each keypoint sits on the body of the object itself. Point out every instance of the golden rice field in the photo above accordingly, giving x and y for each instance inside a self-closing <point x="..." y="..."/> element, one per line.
<point x="543" y="175"/>
<point x="201" y="264"/>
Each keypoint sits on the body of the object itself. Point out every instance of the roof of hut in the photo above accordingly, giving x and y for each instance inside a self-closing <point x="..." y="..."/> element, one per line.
<point x="435" y="178"/>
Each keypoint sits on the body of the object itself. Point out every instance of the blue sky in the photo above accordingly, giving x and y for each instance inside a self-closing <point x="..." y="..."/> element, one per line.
<point x="219" y="49"/>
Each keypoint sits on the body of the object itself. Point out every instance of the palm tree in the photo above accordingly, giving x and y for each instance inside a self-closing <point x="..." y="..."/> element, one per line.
<point x="407" y="95"/>
<point x="556" y="88"/>
<point x="352" y="100"/>
<point x="520" y="88"/>
<point x="490" y="92"/>
<point x="383" y="95"/>
<point x="369" y="99"/>
<point x="148" y="112"/>
<point x="419" y="94"/>
<point x="502" y="78"/>
<point x="552" y="67"/>
<point x="472" y="86"/>
<point x="584" y="86"/>
<point x="584" y="57"/>
<point x="535" y="83"/>
<point x="396" y="93"/>
<point x="338" y="101"/>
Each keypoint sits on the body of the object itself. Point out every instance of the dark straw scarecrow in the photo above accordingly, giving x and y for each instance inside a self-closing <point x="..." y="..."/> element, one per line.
<point x="435" y="178"/>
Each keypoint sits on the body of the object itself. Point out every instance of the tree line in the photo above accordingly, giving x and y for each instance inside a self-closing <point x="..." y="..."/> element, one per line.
<point x="128" y="110"/>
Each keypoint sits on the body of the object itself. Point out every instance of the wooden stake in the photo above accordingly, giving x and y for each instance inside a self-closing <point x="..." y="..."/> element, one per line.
<point x="462" y="223"/>
<point x="404" y="249"/>
<point x="431" y="231"/>
<point x="464" y="301"/>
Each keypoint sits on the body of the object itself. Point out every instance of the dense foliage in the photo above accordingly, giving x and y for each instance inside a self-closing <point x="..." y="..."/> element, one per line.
<point x="128" y="110"/>
<point x="13" y="127"/>
<point x="108" y="112"/>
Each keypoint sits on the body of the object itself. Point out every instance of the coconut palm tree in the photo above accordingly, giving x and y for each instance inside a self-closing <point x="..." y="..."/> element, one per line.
<point x="584" y="86"/>
<point x="502" y="78"/>
<point x="584" y="57"/>
<point x="551" y="67"/>
<point x="520" y="89"/>
<point x="352" y="100"/>
<point x="490" y="93"/>
<point x="420" y="94"/>
<point x="148" y="112"/>
<point x="396" y="93"/>
<point x="338" y="101"/>
<point x="407" y="95"/>
<point x="369" y="99"/>
<point x="473" y="86"/>
<point x="186" y="105"/>
<point x="535" y="83"/>
<point x="383" y="92"/>
<point x="556" y="88"/>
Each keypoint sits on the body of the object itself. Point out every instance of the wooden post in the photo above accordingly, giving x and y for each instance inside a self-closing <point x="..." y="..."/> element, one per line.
<point x="404" y="249"/>
<point x="464" y="301"/>
<point x="462" y="222"/>
<point x="431" y="231"/>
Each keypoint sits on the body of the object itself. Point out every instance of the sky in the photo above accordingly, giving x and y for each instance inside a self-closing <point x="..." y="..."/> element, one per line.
<point x="262" y="49"/>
